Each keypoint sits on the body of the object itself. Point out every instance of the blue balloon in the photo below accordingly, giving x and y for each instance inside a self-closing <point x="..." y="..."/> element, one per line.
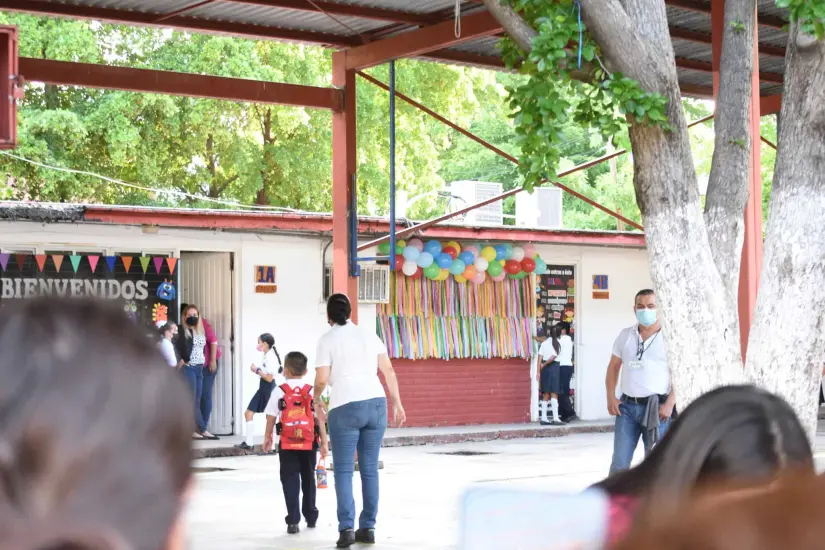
<point x="433" y="247"/>
<point x="457" y="267"/>
<point x="508" y="250"/>
<point x="411" y="253"/>
<point x="467" y="258"/>
<point x="501" y="252"/>
<point x="541" y="267"/>
<point x="425" y="260"/>
<point x="444" y="261"/>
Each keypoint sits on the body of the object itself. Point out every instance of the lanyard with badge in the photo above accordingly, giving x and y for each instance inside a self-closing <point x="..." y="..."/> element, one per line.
<point x="641" y="348"/>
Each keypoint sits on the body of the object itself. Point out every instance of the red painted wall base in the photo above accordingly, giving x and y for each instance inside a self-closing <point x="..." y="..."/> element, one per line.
<point x="461" y="392"/>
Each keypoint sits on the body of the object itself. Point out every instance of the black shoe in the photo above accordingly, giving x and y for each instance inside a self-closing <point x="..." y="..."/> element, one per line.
<point x="310" y="525"/>
<point x="558" y="423"/>
<point x="346" y="539"/>
<point x="570" y="418"/>
<point x="243" y="446"/>
<point x="544" y="423"/>
<point x="365" y="536"/>
<point x="293" y="529"/>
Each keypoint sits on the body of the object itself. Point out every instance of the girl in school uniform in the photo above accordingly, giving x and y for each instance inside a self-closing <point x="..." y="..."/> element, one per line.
<point x="271" y="374"/>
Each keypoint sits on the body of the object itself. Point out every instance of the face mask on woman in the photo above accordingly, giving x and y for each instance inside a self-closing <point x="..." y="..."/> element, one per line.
<point x="192" y="320"/>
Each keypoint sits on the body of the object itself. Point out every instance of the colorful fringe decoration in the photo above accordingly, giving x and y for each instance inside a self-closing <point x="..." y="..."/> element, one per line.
<point x="449" y="320"/>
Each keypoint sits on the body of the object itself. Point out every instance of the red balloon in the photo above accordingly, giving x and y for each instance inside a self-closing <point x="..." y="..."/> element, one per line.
<point x="512" y="267"/>
<point x="399" y="262"/>
<point x="452" y="252"/>
<point x="528" y="265"/>
<point x="418" y="273"/>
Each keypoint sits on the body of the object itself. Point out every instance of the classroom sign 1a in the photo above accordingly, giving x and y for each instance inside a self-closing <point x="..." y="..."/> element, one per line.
<point x="265" y="279"/>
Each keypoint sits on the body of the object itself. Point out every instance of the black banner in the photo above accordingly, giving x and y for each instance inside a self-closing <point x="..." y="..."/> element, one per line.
<point x="555" y="299"/>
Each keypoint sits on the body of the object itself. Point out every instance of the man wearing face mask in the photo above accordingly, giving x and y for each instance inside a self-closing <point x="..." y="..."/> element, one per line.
<point x="647" y="399"/>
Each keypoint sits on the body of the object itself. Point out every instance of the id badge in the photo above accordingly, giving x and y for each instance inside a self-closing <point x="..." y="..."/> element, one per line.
<point x="635" y="365"/>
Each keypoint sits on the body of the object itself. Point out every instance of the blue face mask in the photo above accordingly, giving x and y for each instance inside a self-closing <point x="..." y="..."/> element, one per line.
<point x="646" y="317"/>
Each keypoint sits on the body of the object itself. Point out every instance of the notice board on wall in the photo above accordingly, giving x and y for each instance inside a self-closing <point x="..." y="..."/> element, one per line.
<point x="555" y="299"/>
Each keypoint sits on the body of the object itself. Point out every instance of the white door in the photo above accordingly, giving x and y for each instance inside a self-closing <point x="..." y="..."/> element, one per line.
<point x="206" y="281"/>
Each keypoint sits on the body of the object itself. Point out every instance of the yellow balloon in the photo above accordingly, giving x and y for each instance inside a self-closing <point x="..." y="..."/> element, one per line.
<point x="488" y="253"/>
<point x="402" y="243"/>
<point x="460" y="279"/>
<point x="502" y="262"/>
<point x="442" y="276"/>
<point x="454" y="245"/>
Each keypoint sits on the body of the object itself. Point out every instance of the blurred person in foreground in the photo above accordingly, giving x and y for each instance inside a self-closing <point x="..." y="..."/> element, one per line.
<point x="734" y="434"/>
<point x="95" y="432"/>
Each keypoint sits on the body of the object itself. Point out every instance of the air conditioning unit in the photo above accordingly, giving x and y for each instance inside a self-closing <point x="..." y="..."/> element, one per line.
<point x="467" y="193"/>
<point x="540" y="209"/>
<point x="373" y="284"/>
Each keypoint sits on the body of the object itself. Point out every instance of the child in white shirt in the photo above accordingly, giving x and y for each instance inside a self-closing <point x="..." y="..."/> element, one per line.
<point x="271" y="375"/>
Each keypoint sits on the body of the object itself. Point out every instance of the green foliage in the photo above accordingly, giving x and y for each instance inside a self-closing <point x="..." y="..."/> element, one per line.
<point x="737" y="26"/>
<point x="810" y="14"/>
<point x="558" y="92"/>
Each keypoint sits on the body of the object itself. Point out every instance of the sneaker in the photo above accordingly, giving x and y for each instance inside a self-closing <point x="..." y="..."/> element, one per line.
<point x="293" y="529"/>
<point x="243" y="446"/>
<point x="365" y="536"/>
<point x="544" y="422"/>
<point x="346" y="539"/>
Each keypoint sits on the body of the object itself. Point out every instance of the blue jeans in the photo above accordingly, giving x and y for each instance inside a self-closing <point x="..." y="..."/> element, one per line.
<point x="206" y="395"/>
<point x="626" y="436"/>
<point x="194" y="375"/>
<point x="360" y="426"/>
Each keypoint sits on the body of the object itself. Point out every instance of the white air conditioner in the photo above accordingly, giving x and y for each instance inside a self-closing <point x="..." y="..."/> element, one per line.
<point x="373" y="284"/>
<point x="540" y="209"/>
<point x="467" y="193"/>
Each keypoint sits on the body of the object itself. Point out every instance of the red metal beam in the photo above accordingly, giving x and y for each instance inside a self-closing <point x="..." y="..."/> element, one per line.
<point x="700" y="7"/>
<point x="466" y="58"/>
<point x="705" y="67"/>
<point x="770" y="105"/>
<point x="245" y="30"/>
<point x="693" y="90"/>
<point x="422" y="41"/>
<point x="67" y="73"/>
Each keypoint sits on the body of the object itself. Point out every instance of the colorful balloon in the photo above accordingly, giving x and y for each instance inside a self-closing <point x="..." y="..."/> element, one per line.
<point x="488" y="253"/>
<point x="473" y="249"/>
<point x="452" y="252"/>
<point x="444" y="261"/>
<point x="529" y="250"/>
<point x="411" y="253"/>
<point x="399" y="262"/>
<point x="508" y="251"/>
<point x="512" y="267"/>
<point x="416" y="243"/>
<point x="453" y="244"/>
<point x="443" y="275"/>
<point x="409" y="268"/>
<point x="494" y="269"/>
<point x="501" y="252"/>
<point x="460" y="279"/>
<point x="467" y="257"/>
<point x="433" y="247"/>
<point x="457" y="267"/>
<point x="479" y="278"/>
<point x="500" y="277"/>
<point x="384" y="248"/>
<point x="528" y="265"/>
<point x="425" y="260"/>
<point x="518" y="254"/>
<point x="541" y="267"/>
<point x="418" y="273"/>
<point x="399" y="246"/>
<point x="469" y="272"/>
<point x="432" y="271"/>
<point x="481" y="264"/>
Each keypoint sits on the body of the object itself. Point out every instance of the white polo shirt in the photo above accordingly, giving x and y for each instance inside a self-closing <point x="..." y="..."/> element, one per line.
<point x="648" y="375"/>
<point x="353" y="355"/>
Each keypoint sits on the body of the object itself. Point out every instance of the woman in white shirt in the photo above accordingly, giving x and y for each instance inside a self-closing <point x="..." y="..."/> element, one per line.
<point x="348" y="359"/>
<point x="167" y="348"/>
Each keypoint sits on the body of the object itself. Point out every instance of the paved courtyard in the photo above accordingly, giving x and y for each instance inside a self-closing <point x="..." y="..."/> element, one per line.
<point x="242" y="507"/>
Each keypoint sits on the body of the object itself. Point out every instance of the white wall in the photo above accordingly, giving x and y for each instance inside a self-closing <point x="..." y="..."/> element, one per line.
<point x="598" y="322"/>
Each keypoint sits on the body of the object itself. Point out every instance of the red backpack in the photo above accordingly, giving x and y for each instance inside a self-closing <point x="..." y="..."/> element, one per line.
<point x="297" y="424"/>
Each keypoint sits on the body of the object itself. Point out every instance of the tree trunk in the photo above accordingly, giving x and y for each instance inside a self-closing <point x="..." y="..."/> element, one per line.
<point x="786" y="349"/>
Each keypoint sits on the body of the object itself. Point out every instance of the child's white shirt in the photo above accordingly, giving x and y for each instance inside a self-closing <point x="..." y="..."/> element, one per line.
<point x="272" y="408"/>
<point x="270" y="364"/>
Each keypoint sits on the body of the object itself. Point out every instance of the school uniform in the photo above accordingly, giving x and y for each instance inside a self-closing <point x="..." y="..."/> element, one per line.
<point x="565" y="359"/>
<point x="297" y="468"/>
<point x="272" y="366"/>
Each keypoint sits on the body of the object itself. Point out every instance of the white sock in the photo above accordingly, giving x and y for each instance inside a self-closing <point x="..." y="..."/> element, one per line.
<point x="543" y="411"/>
<point x="554" y="406"/>
<point x="250" y="429"/>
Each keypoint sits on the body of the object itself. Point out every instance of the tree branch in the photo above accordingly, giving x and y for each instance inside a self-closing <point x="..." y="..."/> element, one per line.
<point x="515" y="26"/>
<point x="222" y="187"/>
<point x="727" y="192"/>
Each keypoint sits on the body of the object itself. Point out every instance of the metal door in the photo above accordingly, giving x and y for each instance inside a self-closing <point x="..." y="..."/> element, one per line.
<point x="206" y="281"/>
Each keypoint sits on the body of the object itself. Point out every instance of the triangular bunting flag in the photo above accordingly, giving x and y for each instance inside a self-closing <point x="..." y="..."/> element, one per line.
<point x="127" y="262"/>
<point x="58" y="260"/>
<point x="93" y="262"/>
<point x="41" y="261"/>
<point x="171" y="263"/>
<point x="75" y="260"/>
<point x="21" y="261"/>
<point x="110" y="261"/>
<point x="144" y="263"/>
<point x="4" y="260"/>
<point x="158" y="264"/>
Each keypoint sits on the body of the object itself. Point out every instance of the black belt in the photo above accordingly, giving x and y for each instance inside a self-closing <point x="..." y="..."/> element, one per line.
<point x="642" y="400"/>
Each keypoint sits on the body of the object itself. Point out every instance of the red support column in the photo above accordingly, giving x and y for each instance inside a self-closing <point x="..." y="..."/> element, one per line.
<point x="343" y="178"/>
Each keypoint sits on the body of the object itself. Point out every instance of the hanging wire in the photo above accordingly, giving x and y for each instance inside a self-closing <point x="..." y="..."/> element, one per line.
<point x="337" y="20"/>
<point x="457" y="14"/>
<point x="581" y="32"/>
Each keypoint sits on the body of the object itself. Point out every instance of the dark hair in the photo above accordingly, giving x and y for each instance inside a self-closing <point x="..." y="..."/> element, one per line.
<point x="296" y="363"/>
<point x="733" y="433"/>
<point x="70" y="477"/>
<point x="644" y="292"/>
<point x="269" y="340"/>
<point x="165" y="327"/>
<point x="339" y="309"/>
<point x="555" y="334"/>
<point x="183" y="307"/>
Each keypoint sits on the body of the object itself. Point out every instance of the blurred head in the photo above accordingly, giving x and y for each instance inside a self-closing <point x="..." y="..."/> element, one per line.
<point x="296" y="364"/>
<point x="733" y="434"/>
<point x="338" y="309"/>
<point x="168" y="331"/>
<point x="94" y="452"/>
<point x="266" y="342"/>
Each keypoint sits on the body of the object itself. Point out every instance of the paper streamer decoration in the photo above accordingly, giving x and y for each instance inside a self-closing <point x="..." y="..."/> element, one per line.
<point x="127" y="262"/>
<point x="41" y="261"/>
<point x="93" y="262"/>
<point x="4" y="260"/>
<point x="144" y="263"/>
<point x="58" y="261"/>
<point x="171" y="263"/>
<point x="21" y="261"/>
<point x="447" y="320"/>
<point x="111" y="261"/>
<point x="75" y="260"/>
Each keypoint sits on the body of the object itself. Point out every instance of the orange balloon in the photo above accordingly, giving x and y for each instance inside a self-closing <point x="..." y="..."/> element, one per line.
<point x="470" y="272"/>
